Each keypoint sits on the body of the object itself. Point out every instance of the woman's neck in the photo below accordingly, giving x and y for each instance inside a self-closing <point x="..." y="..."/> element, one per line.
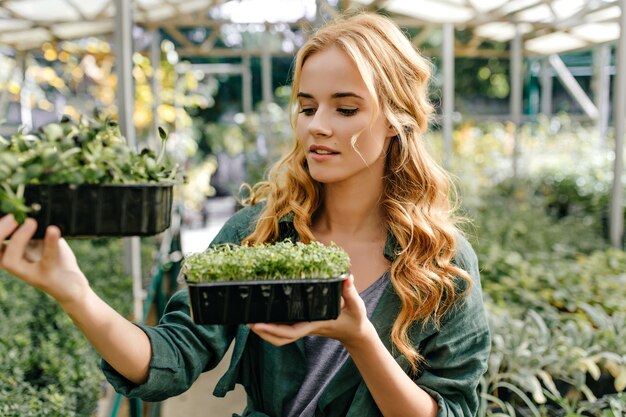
<point x="351" y="211"/>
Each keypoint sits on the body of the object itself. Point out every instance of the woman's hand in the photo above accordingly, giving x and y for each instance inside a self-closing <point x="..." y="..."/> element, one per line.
<point x="349" y="328"/>
<point x="49" y="265"/>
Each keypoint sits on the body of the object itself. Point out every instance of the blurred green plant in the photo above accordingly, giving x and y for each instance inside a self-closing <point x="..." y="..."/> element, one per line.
<point x="47" y="367"/>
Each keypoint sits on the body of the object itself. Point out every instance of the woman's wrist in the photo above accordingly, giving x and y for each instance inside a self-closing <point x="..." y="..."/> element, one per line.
<point x="79" y="300"/>
<point x="363" y="339"/>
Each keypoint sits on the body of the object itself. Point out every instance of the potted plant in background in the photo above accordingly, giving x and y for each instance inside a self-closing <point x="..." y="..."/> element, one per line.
<point x="84" y="178"/>
<point x="281" y="282"/>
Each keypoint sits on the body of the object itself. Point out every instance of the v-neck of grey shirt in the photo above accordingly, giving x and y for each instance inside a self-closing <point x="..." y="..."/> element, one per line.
<point x="325" y="357"/>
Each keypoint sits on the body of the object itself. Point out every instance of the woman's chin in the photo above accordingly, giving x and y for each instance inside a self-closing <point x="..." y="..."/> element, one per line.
<point x="325" y="177"/>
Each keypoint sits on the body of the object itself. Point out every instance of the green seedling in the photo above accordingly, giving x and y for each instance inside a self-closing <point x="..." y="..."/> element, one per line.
<point x="282" y="260"/>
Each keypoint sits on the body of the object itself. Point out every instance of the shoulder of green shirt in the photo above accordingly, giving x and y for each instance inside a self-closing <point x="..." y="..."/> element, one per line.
<point x="239" y="225"/>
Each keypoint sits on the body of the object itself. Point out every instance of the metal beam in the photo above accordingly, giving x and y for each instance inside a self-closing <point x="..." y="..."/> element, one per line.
<point x="616" y="219"/>
<point x="196" y="51"/>
<point x="421" y="37"/>
<point x="219" y="68"/>
<point x="572" y="86"/>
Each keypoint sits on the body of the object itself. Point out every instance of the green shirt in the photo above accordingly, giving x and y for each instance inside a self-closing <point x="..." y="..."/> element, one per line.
<point x="456" y="353"/>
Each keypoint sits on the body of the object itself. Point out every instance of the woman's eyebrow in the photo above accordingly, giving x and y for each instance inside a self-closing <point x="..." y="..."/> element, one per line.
<point x="346" y="94"/>
<point x="340" y="94"/>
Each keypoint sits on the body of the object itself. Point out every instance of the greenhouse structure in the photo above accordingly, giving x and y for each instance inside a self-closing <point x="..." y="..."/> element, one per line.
<point x="211" y="72"/>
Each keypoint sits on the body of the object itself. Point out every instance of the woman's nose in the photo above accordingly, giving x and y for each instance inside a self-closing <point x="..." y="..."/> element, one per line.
<point x="320" y="124"/>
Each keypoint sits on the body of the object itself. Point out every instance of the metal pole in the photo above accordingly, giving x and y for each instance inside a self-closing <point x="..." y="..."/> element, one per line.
<point x="546" y="88"/>
<point x="516" y="93"/>
<point x="448" y="91"/>
<point x="246" y="84"/>
<point x="125" y="100"/>
<point x="266" y="71"/>
<point x="124" y="68"/>
<point x="4" y="95"/>
<point x="26" y="111"/>
<point x="155" y="61"/>
<point x="602" y="80"/>
<point x="616" y="222"/>
<point x="266" y="80"/>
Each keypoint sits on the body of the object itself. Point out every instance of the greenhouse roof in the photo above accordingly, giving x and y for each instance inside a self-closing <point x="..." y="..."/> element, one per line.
<point x="27" y="24"/>
<point x="547" y="26"/>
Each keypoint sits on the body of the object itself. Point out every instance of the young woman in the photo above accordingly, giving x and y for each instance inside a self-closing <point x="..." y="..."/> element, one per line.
<point x="412" y="338"/>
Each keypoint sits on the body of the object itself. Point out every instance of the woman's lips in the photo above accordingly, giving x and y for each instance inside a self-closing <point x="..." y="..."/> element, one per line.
<point x="324" y="150"/>
<point x="322" y="153"/>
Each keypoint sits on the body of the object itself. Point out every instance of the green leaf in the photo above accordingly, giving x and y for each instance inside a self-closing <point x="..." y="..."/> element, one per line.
<point x="162" y="133"/>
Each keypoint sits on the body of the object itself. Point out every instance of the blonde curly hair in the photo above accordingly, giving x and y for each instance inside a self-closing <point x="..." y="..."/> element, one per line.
<point x="417" y="193"/>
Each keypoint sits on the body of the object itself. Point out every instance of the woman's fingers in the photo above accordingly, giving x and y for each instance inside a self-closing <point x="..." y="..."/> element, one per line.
<point x="13" y="256"/>
<point x="353" y="313"/>
<point x="7" y="226"/>
<point x="281" y="334"/>
<point x="350" y="296"/>
<point x="51" y="245"/>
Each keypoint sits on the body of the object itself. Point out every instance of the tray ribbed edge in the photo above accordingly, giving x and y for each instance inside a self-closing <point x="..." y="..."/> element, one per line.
<point x="112" y="210"/>
<point x="280" y="301"/>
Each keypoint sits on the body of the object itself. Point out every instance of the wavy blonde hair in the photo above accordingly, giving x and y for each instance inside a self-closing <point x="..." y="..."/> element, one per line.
<point x="417" y="192"/>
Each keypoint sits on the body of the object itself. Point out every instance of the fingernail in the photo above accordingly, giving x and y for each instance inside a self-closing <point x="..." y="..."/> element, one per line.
<point x="53" y="231"/>
<point x="30" y="223"/>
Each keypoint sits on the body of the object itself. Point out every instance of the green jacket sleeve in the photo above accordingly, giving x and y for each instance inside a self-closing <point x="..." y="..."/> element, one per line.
<point x="457" y="353"/>
<point x="181" y="350"/>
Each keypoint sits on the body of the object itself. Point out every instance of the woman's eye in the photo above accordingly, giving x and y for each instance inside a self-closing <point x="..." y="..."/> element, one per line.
<point x="308" y="111"/>
<point x="348" y="112"/>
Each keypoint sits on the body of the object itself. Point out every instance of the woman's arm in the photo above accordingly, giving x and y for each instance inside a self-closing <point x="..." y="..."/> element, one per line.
<point x="51" y="266"/>
<point x="395" y="393"/>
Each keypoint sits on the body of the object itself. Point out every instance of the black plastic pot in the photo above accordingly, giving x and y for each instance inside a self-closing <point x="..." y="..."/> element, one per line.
<point x="114" y="210"/>
<point x="267" y="301"/>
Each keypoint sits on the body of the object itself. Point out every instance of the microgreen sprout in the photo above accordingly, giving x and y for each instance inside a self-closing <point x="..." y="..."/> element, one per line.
<point x="163" y="136"/>
<point x="282" y="260"/>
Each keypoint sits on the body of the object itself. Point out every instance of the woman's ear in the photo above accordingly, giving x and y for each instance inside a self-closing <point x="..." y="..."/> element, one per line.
<point x="391" y="131"/>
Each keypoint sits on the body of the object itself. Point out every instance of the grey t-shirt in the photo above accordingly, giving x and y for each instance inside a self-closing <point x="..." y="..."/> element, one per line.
<point x="325" y="356"/>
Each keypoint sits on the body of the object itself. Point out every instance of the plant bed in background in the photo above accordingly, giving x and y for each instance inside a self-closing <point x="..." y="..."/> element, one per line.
<point x="85" y="178"/>
<point x="281" y="283"/>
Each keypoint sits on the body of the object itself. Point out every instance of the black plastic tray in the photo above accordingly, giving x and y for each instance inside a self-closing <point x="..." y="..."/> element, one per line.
<point x="114" y="210"/>
<point x="267" y="301"/>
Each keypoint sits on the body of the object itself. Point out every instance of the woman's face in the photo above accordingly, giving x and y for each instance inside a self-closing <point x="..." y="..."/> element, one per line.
<point x="334" y="105"/>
